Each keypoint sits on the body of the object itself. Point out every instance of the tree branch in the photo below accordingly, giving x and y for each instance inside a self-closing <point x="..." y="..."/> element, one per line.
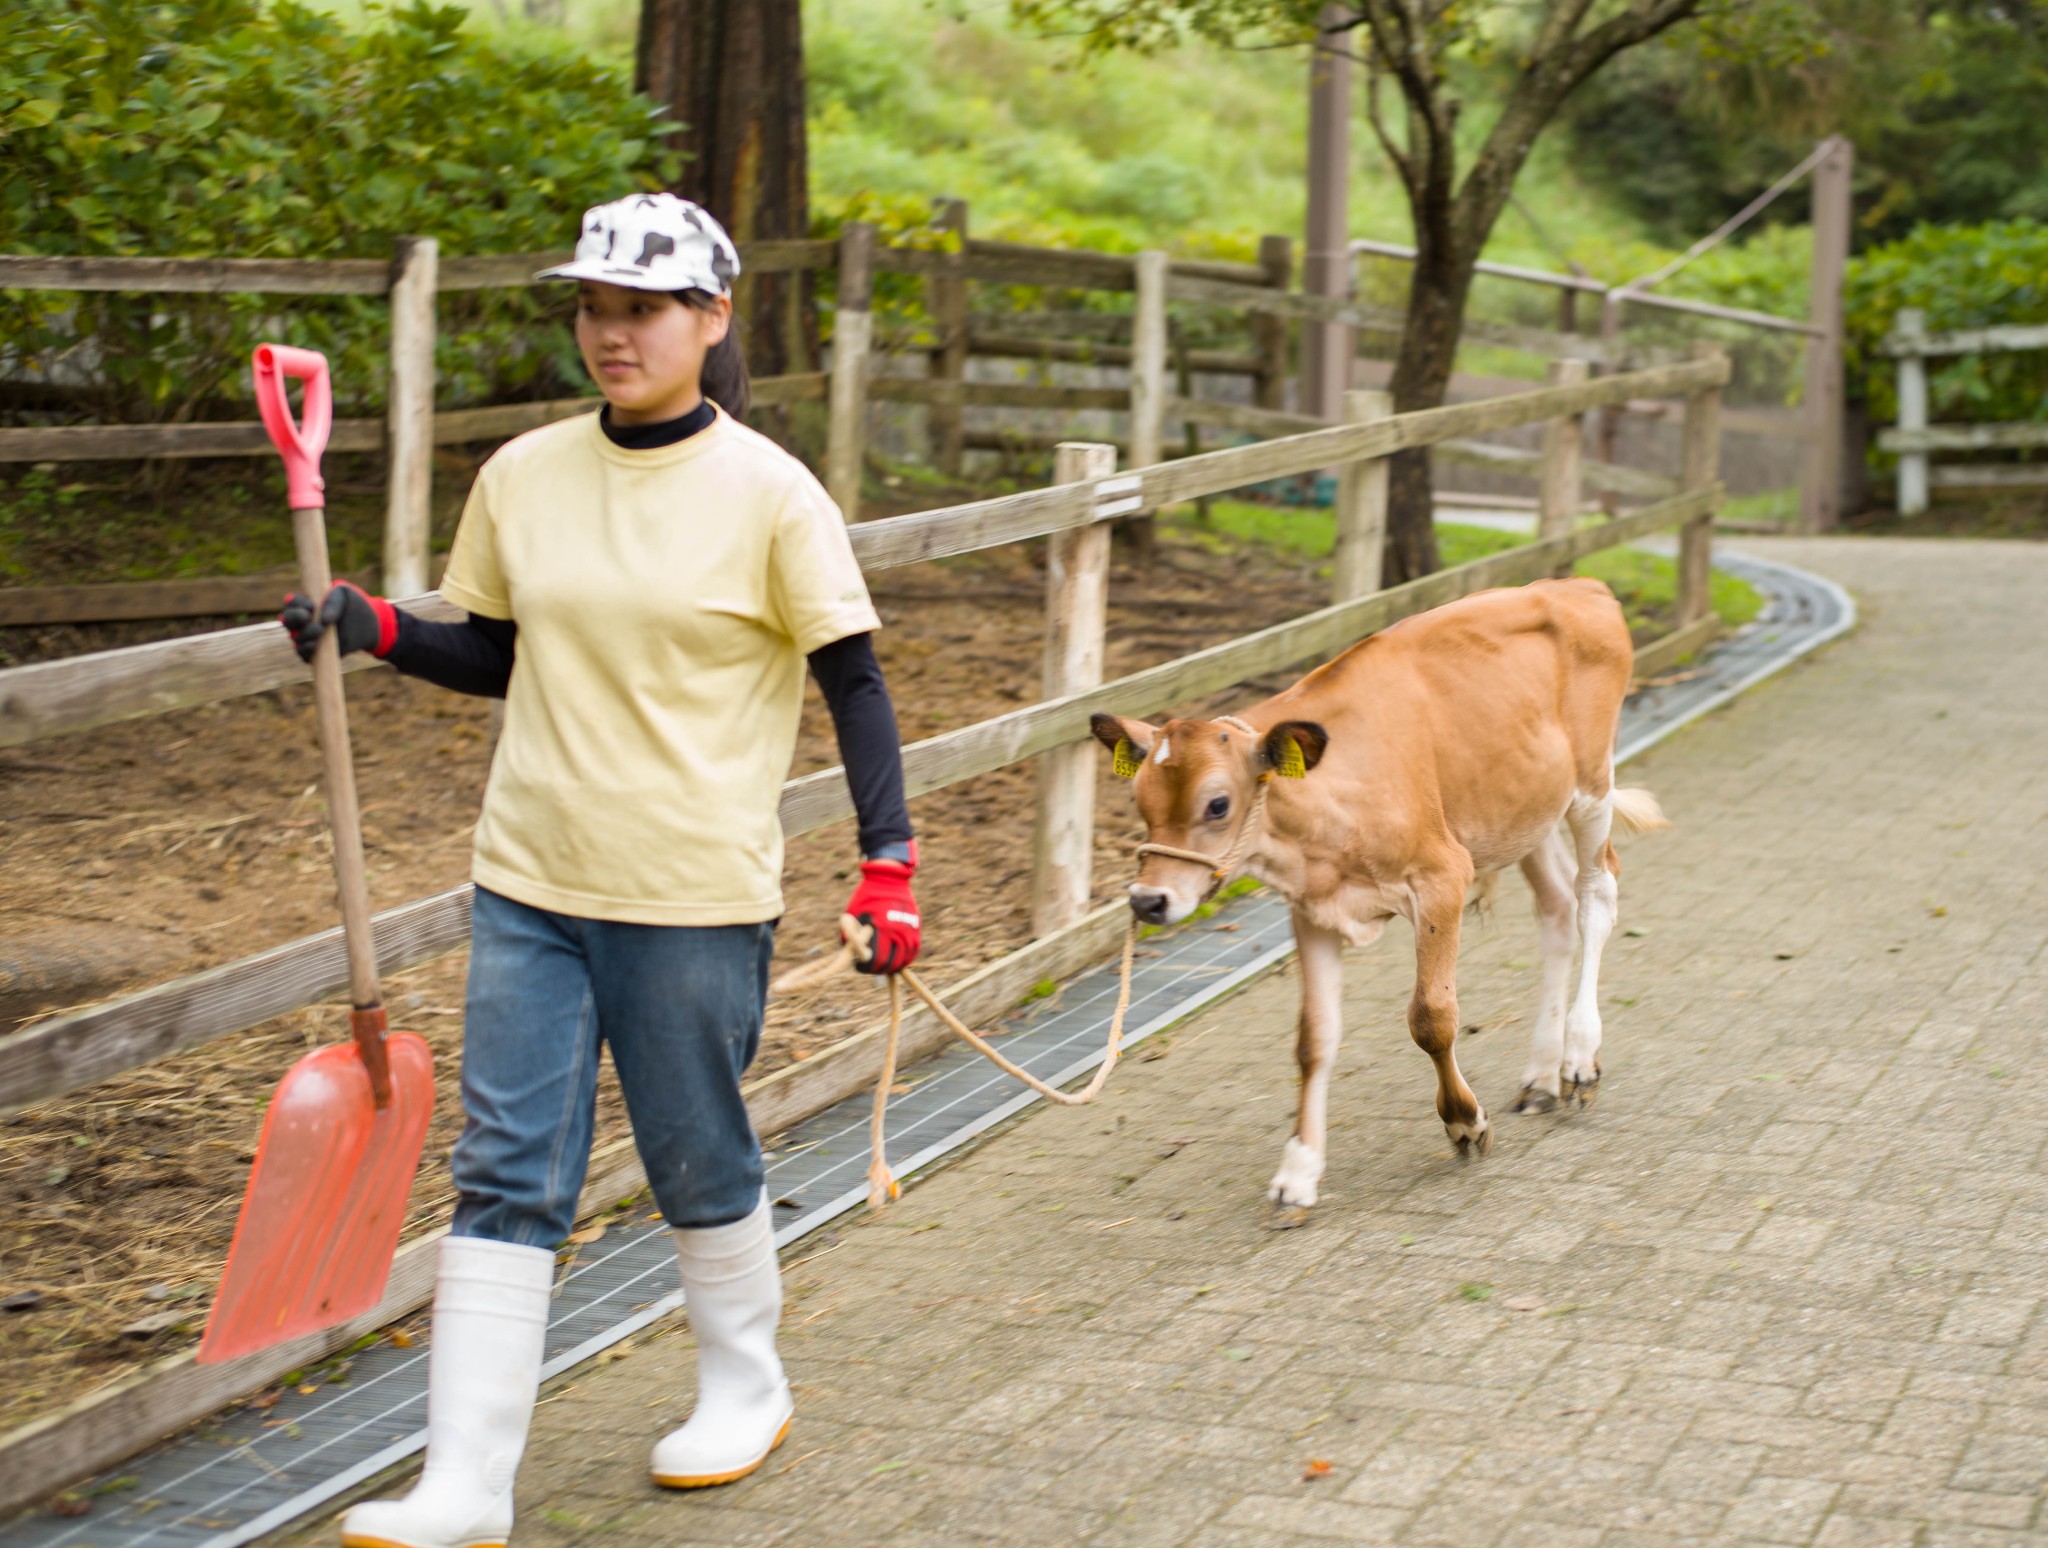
<point x="1556" y="65"/>
<point x="1404" y="164"/>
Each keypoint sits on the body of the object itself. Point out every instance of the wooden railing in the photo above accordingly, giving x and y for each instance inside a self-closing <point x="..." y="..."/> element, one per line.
<point x="1144" y="342"/>
<point x="48" y="699"/>
<point x="1915" y="440"/>
<point x="411" y="428"/>
<point x="76" y="1049"/>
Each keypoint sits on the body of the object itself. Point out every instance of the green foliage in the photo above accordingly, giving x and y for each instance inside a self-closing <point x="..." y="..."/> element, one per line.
<point x="1942" y="100"/>
<point x="1961" y="277"/>
<point x="236" y="129"/>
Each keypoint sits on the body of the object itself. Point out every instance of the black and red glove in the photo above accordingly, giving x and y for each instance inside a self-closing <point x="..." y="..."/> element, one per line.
<point x="359" y="621"/>
<point x="883" y="903"/>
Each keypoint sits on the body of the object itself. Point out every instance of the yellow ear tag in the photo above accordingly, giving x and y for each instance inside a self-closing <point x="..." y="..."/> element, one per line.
<point x="1128" y="759"/>
<point x="1292" y="764"/>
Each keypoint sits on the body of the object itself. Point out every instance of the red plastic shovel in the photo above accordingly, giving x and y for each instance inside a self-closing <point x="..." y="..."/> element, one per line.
<point x="319" y="1225"/>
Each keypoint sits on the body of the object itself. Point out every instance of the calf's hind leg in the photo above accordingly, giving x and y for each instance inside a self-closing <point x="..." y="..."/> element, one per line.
<point x="1321" y="951"/>
<point x="1548" y="868"/>
<point x="1591" y="819"/>
<point x="1433" y="1012"/>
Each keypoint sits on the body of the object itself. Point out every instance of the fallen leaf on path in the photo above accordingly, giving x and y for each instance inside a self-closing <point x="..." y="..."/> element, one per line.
<point x="587" y="1235"/>
<point x="1316" y="1468"/>
<point x="71" y="1503"/>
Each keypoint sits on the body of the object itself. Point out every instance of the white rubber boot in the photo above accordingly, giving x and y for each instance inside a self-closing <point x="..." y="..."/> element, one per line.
<point x="483" y="1369"/>
<point x="732" y="1288"/>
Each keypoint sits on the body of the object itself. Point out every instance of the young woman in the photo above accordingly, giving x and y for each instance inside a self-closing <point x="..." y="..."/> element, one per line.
<point x="644" y="587"/>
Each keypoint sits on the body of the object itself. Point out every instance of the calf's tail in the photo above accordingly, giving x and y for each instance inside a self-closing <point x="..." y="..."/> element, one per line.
<point x="1637" y="810"/>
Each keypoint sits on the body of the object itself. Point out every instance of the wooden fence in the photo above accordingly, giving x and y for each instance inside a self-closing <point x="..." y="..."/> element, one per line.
<point x="1915" y="440"/>
<point x="1159" y="392"/>
<point x="411" y="427"/>
<point x="43" y="700"/>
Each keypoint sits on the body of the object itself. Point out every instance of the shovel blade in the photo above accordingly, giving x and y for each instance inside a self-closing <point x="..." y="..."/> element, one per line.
<point x="326" y="1199"/>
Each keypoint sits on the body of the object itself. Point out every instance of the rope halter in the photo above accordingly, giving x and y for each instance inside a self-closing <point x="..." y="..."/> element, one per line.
<point x="1220" y="869"/>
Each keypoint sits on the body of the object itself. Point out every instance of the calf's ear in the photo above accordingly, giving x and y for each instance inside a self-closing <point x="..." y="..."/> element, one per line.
<point x="1294" y="747"/>
<point x="1129" y="741"/>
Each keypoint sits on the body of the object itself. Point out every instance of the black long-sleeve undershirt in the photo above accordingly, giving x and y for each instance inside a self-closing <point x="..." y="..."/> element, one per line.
<point x="477" y="657"/>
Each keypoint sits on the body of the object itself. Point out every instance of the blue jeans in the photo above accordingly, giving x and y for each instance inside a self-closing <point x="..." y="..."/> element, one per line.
<point x="681" y="1007"/>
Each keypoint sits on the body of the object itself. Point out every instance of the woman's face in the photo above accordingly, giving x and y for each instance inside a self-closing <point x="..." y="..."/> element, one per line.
<point x="645" y="349"/>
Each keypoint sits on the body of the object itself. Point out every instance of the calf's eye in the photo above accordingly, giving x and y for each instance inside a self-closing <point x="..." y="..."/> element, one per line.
<point x="1218" y="808"/>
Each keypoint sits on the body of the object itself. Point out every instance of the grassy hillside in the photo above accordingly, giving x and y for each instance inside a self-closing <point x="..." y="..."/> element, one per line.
<point x="1201" y="149"/>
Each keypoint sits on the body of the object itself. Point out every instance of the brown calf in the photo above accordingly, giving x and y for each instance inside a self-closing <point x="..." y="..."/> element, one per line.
<point x="1437" y="752"/>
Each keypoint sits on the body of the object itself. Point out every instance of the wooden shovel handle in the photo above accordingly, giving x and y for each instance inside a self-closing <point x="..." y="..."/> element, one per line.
<point x="344" y="814"/>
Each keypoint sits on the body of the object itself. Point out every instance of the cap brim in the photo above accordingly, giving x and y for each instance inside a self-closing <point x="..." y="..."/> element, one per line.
<point x="604" y="273"/>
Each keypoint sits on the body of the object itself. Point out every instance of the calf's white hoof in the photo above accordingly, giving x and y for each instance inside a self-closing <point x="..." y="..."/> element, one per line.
<point x="1294" y="1185"/>
<point x="1472" y="1139"/>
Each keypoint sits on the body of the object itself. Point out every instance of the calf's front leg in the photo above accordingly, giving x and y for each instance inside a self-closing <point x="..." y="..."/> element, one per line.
<point x="1321" y="953"/>
<point x="1433" y="1011"/>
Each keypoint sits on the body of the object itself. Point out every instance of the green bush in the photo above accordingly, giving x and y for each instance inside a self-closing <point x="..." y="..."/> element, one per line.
<point x="1961" y="277"/>
<point x="231" y="128"/>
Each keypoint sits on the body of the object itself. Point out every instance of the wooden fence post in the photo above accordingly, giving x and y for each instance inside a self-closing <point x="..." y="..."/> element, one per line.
<point x="1611" y="364"/>
<point x="1820" y="466"/>
<point x="1269" y="332"/>
<point x="1361" y="506"/>
<point x="409" y="424"/>
<point x="1560" y="492"/>
<point x="946" y="300"/>
<point x="1076" y="619"/>
<point x="1907" y="332"/>
<point x="853" y="333"/>
<point x="1701" y="467"/>
<point x="1148" y="361"/>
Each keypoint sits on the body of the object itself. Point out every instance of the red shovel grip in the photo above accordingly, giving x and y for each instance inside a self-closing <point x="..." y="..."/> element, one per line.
<point x="299" y="442"/>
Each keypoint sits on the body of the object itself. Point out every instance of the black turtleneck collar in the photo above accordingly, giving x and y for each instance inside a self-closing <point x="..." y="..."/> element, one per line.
<point x="663" y="432"/>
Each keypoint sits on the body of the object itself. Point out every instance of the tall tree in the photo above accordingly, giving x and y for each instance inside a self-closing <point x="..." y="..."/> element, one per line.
<point x="731" y="73"/>
<point x="1529" y="57"/>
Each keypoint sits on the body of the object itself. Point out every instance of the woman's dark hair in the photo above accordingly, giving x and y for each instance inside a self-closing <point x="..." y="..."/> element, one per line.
<point x="725" y="379"/>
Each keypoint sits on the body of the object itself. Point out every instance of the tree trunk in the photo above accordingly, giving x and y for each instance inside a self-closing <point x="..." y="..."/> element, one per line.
<point x="1439" y="285"/>
<point x="731" y="73"/>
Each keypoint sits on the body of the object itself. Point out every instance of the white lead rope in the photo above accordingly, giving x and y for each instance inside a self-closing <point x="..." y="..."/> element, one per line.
<point x="856" y="947"/>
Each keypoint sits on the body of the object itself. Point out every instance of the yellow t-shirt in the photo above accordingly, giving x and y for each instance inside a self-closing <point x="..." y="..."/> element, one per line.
<point x="666" y="600"/>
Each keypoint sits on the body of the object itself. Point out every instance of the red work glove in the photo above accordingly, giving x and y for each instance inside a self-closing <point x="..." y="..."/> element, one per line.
<point x="884" y="904"/>
<point x="359" y="621"/>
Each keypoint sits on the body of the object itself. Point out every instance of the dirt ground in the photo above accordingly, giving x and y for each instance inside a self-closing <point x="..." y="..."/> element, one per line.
<point x="163" y="846"/>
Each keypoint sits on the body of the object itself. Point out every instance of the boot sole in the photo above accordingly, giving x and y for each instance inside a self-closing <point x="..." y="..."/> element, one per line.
<point x="699" y="1480"/>
<point x="363" y="1540"/>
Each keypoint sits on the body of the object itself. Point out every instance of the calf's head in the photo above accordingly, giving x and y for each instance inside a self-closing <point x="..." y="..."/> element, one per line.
<point x="1196" y="782"/>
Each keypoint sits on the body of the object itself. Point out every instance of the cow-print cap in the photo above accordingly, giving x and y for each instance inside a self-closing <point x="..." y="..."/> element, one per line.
<point x="652" y="242"/>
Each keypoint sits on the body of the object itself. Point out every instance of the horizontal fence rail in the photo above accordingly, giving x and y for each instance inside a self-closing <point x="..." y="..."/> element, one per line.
<point x="247" y="438"/>
<point x="55" y="698"/>
<point x="62" y="1055"/>
<point x="1585" y="285"/>
<point x="71" y="1051"/>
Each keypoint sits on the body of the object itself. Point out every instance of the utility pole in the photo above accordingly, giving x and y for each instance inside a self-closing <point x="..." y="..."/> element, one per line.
<point x="1326" y="347"/>
<point x="1820" y="468"/>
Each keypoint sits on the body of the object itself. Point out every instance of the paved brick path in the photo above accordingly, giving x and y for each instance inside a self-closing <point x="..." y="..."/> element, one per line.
<point x="1783" y="1285"/>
